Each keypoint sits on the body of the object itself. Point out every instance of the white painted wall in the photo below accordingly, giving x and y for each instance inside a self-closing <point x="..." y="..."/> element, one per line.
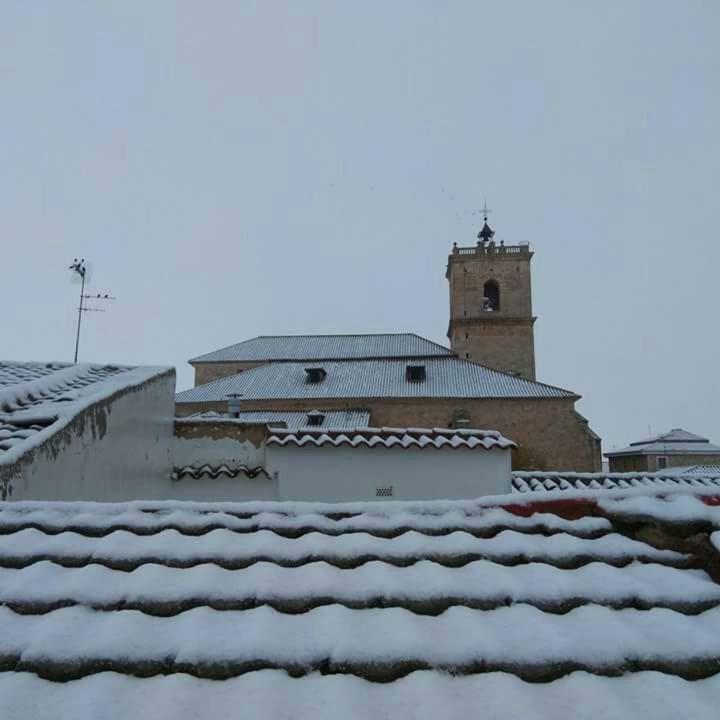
<point x="118" y="449"/>
<point x="223" y="489"/>
<point x="199" y="451"/>
<point x="338" y="474"/>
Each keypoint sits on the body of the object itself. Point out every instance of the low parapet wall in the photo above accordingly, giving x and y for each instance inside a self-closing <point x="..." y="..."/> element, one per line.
<point x="117" y="448"/>
<point x="220" y="460"/>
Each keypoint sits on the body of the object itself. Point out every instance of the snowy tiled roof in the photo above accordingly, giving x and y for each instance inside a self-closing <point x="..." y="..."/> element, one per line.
<point x="675" y="442"/>
<point x="425" y="610"/>
<point x="445" y="377"/>
<point x="703" y="470"/>
<point x="531" y="481"/>
<point x="326" y="347"/>
<point x="331" y="418"/>
<point x="392" y="437"/>
<point x="39" y="399"/>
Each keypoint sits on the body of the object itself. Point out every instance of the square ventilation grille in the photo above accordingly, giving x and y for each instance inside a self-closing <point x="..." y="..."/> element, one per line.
<point x="384" y="491"/>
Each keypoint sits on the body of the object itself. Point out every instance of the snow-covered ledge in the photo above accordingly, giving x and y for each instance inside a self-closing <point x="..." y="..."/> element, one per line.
<point x="85" y="432"/>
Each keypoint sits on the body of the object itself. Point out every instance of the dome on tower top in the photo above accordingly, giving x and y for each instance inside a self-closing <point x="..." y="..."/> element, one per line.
<point x="486" y="233"/>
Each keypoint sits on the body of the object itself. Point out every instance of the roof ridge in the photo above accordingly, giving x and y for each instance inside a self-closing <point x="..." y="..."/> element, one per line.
<point x="254" y="354"/>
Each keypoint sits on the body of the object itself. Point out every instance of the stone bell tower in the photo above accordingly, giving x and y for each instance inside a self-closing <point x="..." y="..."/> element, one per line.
<point x="491" y="320"/>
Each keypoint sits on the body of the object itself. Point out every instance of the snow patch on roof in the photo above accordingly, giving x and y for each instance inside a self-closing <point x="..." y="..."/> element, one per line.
<point x="389" y="437"/>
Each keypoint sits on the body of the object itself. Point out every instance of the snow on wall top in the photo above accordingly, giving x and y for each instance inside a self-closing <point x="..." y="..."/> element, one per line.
<point x="326" y="347"/>
<point x="39" y="399"/>
<point x="523" y="606"/>
<point x="445" y="377"/>
<point x="389" y="437"/>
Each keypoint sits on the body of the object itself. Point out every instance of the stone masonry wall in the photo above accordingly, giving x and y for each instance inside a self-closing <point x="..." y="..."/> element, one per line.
<point x="502" y="339"/>
<point x="550" y="433"/>
<point x="507" y="346"/>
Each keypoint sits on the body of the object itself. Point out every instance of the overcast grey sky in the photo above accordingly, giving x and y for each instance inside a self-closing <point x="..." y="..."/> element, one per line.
<point x="244" y="168"/>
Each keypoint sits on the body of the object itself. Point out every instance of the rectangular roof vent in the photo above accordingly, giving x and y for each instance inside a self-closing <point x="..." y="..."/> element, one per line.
<point x="415" y="373"/>
<point x="315" y="418"/>
<point x="315" y="374"/>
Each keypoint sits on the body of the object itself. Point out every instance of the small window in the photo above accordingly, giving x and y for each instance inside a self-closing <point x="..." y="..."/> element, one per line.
<point x="661" y="462"/>
<point x="315" y="374"/>
<point x="384" y="491"/>
<point x="415" y="373"/>
<point x="491" y="296"/>
<point x="315" y="418"/>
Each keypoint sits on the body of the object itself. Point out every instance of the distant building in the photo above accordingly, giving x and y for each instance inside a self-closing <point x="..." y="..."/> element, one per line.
<point x="486" y="379"/>
<point x="677" y="448"/>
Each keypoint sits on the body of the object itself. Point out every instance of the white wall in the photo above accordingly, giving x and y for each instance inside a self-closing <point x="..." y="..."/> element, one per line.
<point x="329" y="473"/>
<point x="118" y="449"/>
<point x="223" y="489"/>
<point x="207" y="450"/>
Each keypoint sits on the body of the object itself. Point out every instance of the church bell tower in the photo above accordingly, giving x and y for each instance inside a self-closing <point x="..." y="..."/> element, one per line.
<point x="491" y="320"/>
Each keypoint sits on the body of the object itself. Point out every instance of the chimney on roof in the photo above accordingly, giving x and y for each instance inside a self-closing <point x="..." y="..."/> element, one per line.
<point x="234" y="405"/>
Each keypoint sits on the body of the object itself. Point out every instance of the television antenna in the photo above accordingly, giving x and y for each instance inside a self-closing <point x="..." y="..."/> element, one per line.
<point x="81" y="272"/>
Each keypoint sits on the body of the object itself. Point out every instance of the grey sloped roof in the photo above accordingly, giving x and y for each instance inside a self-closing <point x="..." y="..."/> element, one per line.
<point x="293" y="420"/>
<point x="326" y="347"/>
<point x="675" y="442"/>
<point x="445" y="377"/>
<point x="506" y="608"/>
<point x="673" y="436"/>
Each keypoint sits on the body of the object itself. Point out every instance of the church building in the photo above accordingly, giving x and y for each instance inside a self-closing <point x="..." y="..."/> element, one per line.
<point x="485" y="379"/>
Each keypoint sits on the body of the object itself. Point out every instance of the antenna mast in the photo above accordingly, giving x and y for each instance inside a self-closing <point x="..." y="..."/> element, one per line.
<point x="80" y="270"/>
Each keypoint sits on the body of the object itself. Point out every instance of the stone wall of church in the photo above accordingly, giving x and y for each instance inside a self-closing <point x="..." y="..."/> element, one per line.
<point x="507" y="345"/>
<point x="207" y="372"/>
<point x="550" y="433"/>
<point x="502" y="338"/>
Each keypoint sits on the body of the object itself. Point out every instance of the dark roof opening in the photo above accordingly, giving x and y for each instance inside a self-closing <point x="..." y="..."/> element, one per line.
<point x="315" y="374"/>
<point x="415" y="373"/>
<point x="315" y="418"/>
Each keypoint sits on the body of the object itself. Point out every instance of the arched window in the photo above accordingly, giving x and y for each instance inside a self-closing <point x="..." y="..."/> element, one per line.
<point x="491" y="296"/>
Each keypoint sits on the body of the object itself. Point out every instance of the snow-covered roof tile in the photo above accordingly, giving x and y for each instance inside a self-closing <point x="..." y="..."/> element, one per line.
<point x="527" y="480"/>
<point x="445" y="377"/>
<point x="391" y="437"/>
<point x="326" y="347"/>
<point x="523" y="606"/>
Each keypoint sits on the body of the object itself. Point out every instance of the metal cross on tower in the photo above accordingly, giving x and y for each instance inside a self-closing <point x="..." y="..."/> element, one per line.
<point x="485" y="210"/>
